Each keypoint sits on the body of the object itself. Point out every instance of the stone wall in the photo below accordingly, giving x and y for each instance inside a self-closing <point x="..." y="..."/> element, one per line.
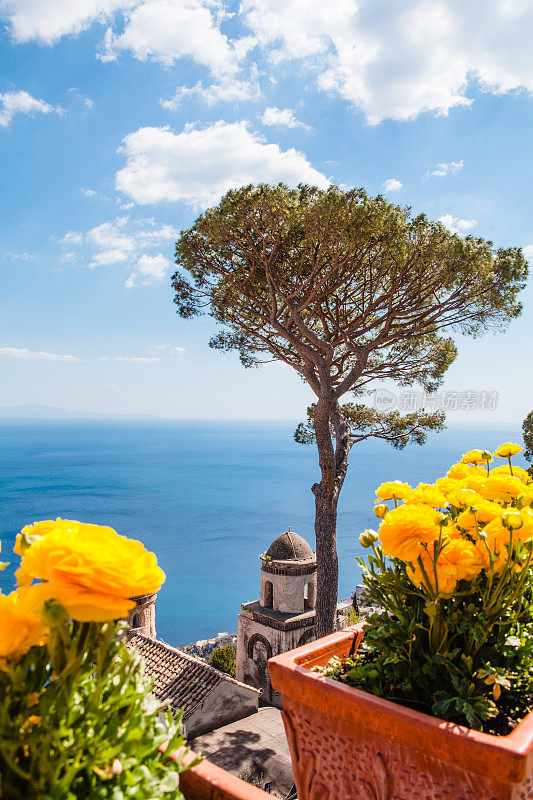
<point x="226" y="703"/>
<point x="256" y="643"/>
<point x="141" y="618"/>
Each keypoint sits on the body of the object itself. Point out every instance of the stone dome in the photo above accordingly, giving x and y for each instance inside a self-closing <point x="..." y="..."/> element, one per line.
<point x="289" y="546"/>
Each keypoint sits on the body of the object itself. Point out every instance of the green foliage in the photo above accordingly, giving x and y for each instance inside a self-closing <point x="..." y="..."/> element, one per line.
<point x="225" y="660"/>
<point x="527" y="430"/>
<point x="77" y="722"/>
<point x="466" y="658"/>
<point x="351" y="618"/>
<point x="345" y="288"/>
<point x="390" y="426"/>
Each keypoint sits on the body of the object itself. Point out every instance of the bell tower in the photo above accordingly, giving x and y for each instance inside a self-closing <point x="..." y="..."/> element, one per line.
<point x="141" y="618"/>
<point x="284" y="615"/>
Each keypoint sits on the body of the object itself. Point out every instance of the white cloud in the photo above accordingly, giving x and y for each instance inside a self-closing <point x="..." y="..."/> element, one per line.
<point x="169" y="350"/>
<point x="444" y="168"/>
<point x="24" y="353"/>
<point x="397" y="60"/>
<point x="73" y="237"/>
<point x="22" y="103"/>
<point x="137" y="359"/>
<point x="528" y="252"/>
<point x="88" y="192"/>
<point x="158" y="30"/>
<point x="200" y="165"/>
<point x="281" y="116"/>
<point x="24" y="256"/>
<point x="158" y="353"/>
<point x="145" y="238"/>
<point x="121" y="241"/>
<point x="392" y="185"/>
<point x="149" y="269"/>
<point x="456" y="225"/>
<point x="166" y="30"/>
<point x="230" y="90"/>
<point x="48" y="22"/>
<point x="112" y="244"/>
<point x="87" y="101"/>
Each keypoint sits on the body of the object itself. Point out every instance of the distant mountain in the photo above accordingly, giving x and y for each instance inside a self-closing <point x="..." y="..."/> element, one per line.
<point x="36" y="411"/>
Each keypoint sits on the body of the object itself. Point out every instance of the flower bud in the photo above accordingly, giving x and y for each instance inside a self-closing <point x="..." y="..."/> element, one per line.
<point x="381" y="510"/>
<point x="512" y="520"/>
<point x="368" y="538"/>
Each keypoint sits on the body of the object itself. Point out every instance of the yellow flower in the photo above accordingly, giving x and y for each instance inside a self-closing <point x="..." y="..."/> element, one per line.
<point x="507" y="450"/>
<point x="473" y="482"/>
<point x="20" y="626"/>
<point x="461" y="498"/>
<point x="82" y="604"/>
<point x="458" y="560"/>
<point x="461" y="470"/>
<point x="426" y="494"/>
<point x="405" y="528"/>
<point x="503" y="488"/>
<point x="518" y="472"/>
<point x="477" y="457"/>
<point x="92" y="570"/>
<point x="446" y="485"/>
<point x="31" y="533"/>
<point x="496" y="539"/>
<point x="485" y="511"/>
<point x="393" y="490"/>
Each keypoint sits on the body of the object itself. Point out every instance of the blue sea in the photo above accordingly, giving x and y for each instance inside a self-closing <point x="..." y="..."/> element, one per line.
<point x="206" y="497"/>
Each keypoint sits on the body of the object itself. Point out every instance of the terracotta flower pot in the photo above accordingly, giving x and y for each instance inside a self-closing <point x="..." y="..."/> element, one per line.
<point x="350" y="745"/>
<point x="206" y="781"/>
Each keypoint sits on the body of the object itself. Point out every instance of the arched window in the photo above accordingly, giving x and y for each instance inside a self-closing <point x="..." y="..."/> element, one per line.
<point x="307" y="600"/>
<point x="269" y="594"/>
<point x="136" y="621"/>
<point x="258" y="638"/>
<point x="308" y="636"/>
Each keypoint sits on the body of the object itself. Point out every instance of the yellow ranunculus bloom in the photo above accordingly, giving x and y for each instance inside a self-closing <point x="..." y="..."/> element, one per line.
<point x="446" y="485"/>
<point x="473" y="482"/>
<point x="88" y="559"/>
<point x="393" y="490"/>
<point x="41" y="529"/>
<point x="20" y="623"/>
<point x="426" y="494"/>
<point x="518" y="472"/>
<point x="84" y="605"/>
<point x="458" y="560"/>
<point x="503" y="488"/>
<point x="485" y="512"/>
<point x="460" y="470"/>
<point x="507" y="450"/>
<point x="405" y="528"/>
<point x="476" y="457"/>
<point x="461" y="498"/>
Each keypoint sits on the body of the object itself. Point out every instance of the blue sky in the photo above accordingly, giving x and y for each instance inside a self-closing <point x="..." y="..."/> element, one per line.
<point x="120" y="120"/>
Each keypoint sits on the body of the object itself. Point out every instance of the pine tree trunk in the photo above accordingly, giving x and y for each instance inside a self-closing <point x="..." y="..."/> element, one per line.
<point x="327" y="561"/>
<point x="333" y="465"/>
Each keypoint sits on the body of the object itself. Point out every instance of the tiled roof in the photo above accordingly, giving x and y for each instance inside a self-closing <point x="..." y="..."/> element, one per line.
<point x="184" y="680"/>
